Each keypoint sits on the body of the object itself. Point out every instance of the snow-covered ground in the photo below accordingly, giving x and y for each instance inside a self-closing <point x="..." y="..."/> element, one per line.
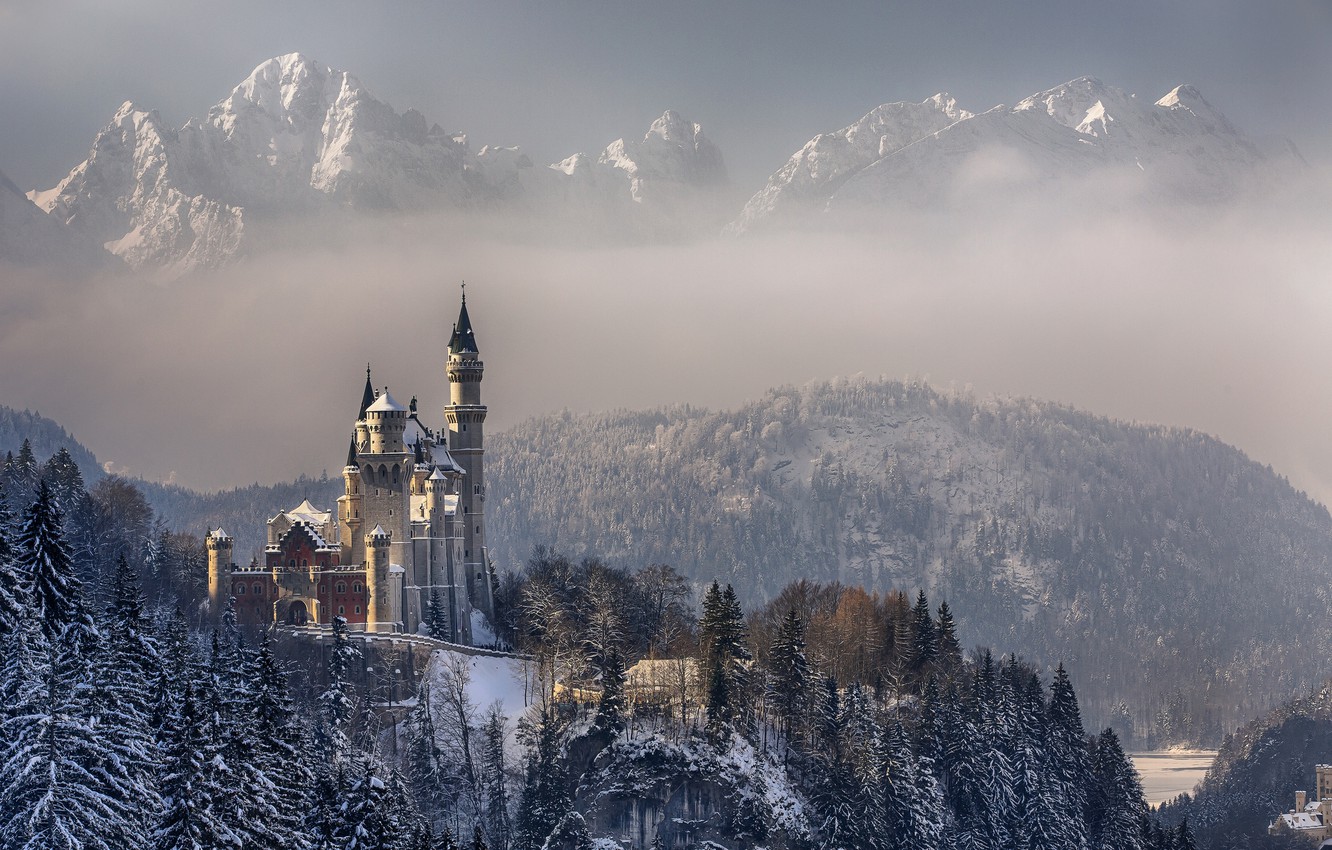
<point x="1167" y="774"/>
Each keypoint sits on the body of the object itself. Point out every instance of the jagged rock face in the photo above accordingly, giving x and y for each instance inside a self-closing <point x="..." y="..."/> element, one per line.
<point x="296" y="138"/>
<point x="933" y="154"/>
<point x="689" y="794"/>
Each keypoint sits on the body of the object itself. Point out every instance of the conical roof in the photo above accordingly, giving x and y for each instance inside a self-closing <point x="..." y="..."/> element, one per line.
<point x="463" y="340"/>
<point x="368" y="396"/>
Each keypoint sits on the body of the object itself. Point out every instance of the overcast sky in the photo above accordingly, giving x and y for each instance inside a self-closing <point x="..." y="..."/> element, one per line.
<point x="560" y="77"/>
<point x="1216" y="322"/>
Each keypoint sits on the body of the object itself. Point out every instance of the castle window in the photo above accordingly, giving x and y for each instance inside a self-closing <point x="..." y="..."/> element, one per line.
<point x="369" y="473"/>
<point x="356" y="588"/>
<point x="395" y="473"/>
<point x="383" y="474"/>
<point x="305" y="563"/>
<point x="258" y="590"/>
<point x="240" y="590"/>
<point x="323" y="588"/>
<point x="478" y="529"/>
<point x="341" y="610"/>
<point x="342" y="587"/>
<point x="358" y="609"/>
<point x="293" y="562"/>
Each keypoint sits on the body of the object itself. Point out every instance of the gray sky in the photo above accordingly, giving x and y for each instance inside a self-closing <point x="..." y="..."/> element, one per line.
<point x="561" y="77"/>
<point x="1218" y="324"/>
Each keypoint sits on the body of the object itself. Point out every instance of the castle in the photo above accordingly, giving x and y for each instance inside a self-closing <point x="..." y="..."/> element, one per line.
<point x="1310" y="818"/>
<point x="408" y="543"/>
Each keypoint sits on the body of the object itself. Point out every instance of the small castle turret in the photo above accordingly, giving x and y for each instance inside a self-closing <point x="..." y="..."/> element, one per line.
<point x="380" y="613"/>
<point x="219" y="545"/>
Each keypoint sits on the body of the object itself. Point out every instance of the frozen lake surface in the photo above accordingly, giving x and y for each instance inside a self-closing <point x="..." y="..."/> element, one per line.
<point x="1169" y="773"/>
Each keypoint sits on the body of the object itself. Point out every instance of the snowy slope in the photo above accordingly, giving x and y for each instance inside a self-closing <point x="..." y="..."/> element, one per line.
<point x="30" y="237"/>
<point x="297" y="138"/>
<point x="1177" y="148"/>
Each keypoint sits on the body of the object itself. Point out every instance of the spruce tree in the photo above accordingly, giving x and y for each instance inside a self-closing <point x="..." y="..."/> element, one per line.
<point x="64" y="782"/>
<point x="610" y="708"/>
<point x="1066" y="755"/>
<point x="1115" y="804"/>
<point x="280" y="785"/>
<point x="924" y="640"/>
<point x="545" y="800"/>
<point x="949" y="649"/>
<point x="46" y="569"/>
<point x="790" y="675"/>
<point x="437" y="616"/>
<point x="495" y="772"/>
<point x="12" y="596"/>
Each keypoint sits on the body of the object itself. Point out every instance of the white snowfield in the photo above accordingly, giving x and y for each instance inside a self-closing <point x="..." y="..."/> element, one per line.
<point x="933" y="153"/>
<point x="297" y="138"/>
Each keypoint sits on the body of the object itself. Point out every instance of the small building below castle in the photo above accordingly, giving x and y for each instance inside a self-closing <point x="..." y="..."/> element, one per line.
<point x="1311" y="818"/>
<point x="404" y="548"/>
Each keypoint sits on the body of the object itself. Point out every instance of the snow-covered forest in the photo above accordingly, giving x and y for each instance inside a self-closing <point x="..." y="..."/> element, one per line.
<point x="832" y="717"/>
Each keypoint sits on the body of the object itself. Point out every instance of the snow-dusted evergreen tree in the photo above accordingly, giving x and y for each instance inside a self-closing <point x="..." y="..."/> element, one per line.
<point x="432" y="784"/>
<point x="193" y="779"/>
<point x="722" y="635"/>
<point x="64" y="478"/>
<point x="437" y="616"/>
<point x="949" y="659"/>
<point x="545" y="800"/>
<point x="276" y="772"/>
<point x="64" y="781"/>
<point x="494" y="773"/>
<point x="924" y="646"/>
<point x="22" y="472"/>
<point x="790" y="682"/>
<point x="1067" y="759"/>
<point x="337" y="704"/>
<point x="1115" y="805"/>
<point x="47" y="571"/>
<point x="12" y="596"/>
<point x="366" y="819"/>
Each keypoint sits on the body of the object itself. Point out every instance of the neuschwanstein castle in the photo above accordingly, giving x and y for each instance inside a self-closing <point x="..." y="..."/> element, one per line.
<point x="409" y="529"/>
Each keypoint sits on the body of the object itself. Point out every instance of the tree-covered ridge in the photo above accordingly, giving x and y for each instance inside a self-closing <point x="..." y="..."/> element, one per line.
<point x="1255" y="776"/>
<point x="1185" y="576"/>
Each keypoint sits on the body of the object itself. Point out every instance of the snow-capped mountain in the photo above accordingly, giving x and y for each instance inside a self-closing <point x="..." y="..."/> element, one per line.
<point x="297" y="138"/>
<point x="934" y="154"/>
<point x="30" y="237"/>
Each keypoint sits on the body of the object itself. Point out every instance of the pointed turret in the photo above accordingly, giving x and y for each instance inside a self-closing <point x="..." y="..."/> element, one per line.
<point x="368" y="396"/>
<point x="463" y="340"/>
<point x="351" y="450"/>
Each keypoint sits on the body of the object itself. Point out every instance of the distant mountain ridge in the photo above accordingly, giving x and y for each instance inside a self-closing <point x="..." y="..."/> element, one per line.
<point x="297" y="138"/>
<point x="299" y="142"/>
<point x="935" y="155"/>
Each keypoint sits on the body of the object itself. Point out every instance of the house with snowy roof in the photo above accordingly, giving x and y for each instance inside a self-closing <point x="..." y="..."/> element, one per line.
<point x="1310" y="818"/>
<point x="407" y="537"/>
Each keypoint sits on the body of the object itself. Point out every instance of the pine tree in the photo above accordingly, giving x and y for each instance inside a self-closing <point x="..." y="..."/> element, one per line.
<point x="64" y="479"/>
<point x="545" y="799"/>
<point x="336" y="703"/>
<point x="23" y="473"/>
<point x="426" y="771"/>
<point x="63" y="782"/>
<point x="47" y="571"/>
<point x="610" y="709"/>
<point x="722" y="634"/>
<point x="365" y="821"/>
<point x="1115" y="803"/>
<point x="790" y="675"/>
<point x="495" y="772"/>
<point x="278" y="795"/>
<point x="949" y="650"/>
<point x="1066" y="755"/>
<point x="437" y="616"/>
<point x="12" y="597"/>
<point x="924" y="640"/>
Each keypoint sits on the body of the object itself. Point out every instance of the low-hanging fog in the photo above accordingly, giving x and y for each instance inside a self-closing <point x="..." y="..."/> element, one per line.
<point x="1210" y="317"/>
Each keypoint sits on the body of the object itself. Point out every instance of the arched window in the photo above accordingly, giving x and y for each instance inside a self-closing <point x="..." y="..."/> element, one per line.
<point x="305" y="563"/>
<point x="342" y="587"/>
<point x="369" y="473"/>
<point x="258" y="589"/>
<point x="395" y="473"/>
<point x="358" y="609"/>
<point x="323" y="589"/>
<point x="356" y="588"/>
<point x="383" y="474"/>
<point x="341" y="610"/>
<point x="240" y="590"/>
<point x="292" y="563"/>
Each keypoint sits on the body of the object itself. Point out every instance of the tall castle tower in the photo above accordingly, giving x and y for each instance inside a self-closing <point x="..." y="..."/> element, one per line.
<point x="466" y="416"/>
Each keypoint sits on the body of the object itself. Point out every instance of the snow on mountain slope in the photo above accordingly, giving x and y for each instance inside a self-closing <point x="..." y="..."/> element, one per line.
<point x="1178" y="148"/>
<point x="30" y="237"/>
<point x="826" y="161"/>
<point x="297" y="138"/>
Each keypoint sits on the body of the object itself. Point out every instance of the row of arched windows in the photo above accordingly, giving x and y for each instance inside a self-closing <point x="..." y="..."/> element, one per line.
<point x="384" y="474"/>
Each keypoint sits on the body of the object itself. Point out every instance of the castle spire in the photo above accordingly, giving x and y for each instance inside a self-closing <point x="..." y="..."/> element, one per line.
<point x="367" y="397"/>
<point x="351" y="450"/>
<point x="463" y="340"/>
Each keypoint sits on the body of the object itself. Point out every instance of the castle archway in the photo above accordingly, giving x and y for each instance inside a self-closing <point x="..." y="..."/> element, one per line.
<point x="297" y="614"/>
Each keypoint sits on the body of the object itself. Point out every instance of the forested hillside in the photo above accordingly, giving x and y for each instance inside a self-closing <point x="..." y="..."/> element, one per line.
<point x="1186" y="582"/>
